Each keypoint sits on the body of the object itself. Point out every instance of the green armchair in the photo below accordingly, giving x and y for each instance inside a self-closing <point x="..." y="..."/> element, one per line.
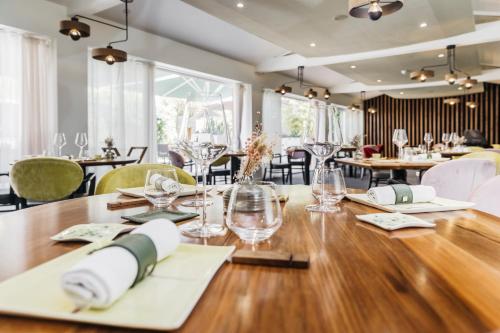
<point x="45" y="179"/>
<point x="134" y="176"/>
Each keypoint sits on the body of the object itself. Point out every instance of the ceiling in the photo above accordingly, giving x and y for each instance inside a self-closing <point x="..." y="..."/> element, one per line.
<point x="282" y="30"/>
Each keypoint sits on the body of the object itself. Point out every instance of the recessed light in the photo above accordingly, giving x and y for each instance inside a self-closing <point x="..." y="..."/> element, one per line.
<point x="353" y="66"/>
<point x="340" y="17"/>
<point x="313" y="44"/>
<point x="401" y="93"/>
<point x="403" y="72"/>
<point x="379" y="80"/>
<point x="441" y="55"/>
<point x="423" y="25"/>
<point x="240" y="4"/>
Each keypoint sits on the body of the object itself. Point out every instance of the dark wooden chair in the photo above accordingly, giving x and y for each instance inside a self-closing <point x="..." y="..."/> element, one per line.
<point x="297" y="160"/>
<point x="280" y="166"/>
<point x="9" y="198"/>
<point x="142" y="150"/>
<point x="219" y="169"/>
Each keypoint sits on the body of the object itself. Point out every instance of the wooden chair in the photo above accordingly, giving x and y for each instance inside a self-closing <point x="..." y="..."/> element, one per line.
<point x="142" y="150"/>
<point x="219" y="169"/>
<point x="296" y="158"/>
<point x="9" y="198"/>
<point x="278" y="166"/>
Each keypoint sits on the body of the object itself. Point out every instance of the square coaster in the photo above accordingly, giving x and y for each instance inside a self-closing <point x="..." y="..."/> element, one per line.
<point x="394" y="221"/>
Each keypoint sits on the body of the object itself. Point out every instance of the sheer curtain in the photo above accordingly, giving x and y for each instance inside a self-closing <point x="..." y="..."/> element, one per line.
<point x="271" y="117"/>
<point x="242" y="114"/>
<point x="28" y="96"/>
<point x="121" y="106"/>
<point x="320" y="118"/>
<point x="351" y="123"/>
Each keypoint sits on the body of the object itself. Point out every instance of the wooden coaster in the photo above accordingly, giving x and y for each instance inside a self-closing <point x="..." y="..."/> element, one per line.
<point x="271" y="258"/>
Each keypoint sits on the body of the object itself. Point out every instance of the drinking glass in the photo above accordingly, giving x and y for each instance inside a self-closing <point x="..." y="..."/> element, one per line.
<point x="399" y="138"/>
<point x="81" y="142"/>
<point x="446" y="140"/>
<point x="428" y="139"/>
<point x="162" y="186"/>
<point x="204" y="137"/>
<point x="59" y="142"/>
<point x="254" y="212"/>
<point x="454" y="138"/>
<point x="196" y="201"/>
<point x="322" y="145"/>
<point x="332" y="183"/>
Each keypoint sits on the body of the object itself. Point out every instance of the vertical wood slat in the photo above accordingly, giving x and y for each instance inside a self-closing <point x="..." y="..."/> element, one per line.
<point x="419" y="116"/>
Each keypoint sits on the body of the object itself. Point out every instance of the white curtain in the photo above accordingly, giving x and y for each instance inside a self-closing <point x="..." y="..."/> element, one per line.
<point x="28" y="97"/>
<point x="242" y="114"/>
<point x="320" y="120"/>
<point x="352" y="123"/>
<point x="121" y="106"/>
<point x="271" y="117"/>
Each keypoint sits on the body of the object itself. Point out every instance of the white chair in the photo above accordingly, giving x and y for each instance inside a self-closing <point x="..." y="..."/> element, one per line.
<point x="487" y="197"/>
<point x="458" y="179"/>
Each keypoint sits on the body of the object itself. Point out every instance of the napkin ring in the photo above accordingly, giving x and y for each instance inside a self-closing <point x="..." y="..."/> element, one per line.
<point x="404" y="194"/>
<point x="144" y="251"/>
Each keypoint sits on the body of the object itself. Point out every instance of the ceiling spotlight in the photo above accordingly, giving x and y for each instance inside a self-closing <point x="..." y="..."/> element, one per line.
<point x="373" y="9"/>
<point x="311" y="93"/>
<point x="468" y="82"/>
<point x="460" y="87"/>
<point x="404" y="71"/>
<point x="313" y="44"/>
<point x="401" y="93"/>
<point x="423" y="25"/>
<point x="471" y="104"/>
<point x="379" y="80"/>
<point x="372" y="110"/>
<point x="451" y="77"/>
<point x="353" y="66"/>
<point x="74" y="28"/>
<point x="441" y="55"/>
<point x="327" y="94"/>
<point x="283" y="89"/>
<point x="240" y="4"/>
<point x="421" y="75"/>
<point x="109" y="55"/>
<point x="451" y="101"/>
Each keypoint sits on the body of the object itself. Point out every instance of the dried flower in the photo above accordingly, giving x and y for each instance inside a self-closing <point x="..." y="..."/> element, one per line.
<point x="256" y="149"/>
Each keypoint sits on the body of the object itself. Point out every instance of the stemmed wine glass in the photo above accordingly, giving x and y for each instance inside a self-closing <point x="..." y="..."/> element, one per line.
<point x="399" y="138"/>
<point x="454" y="138"/>
<point x="322" y="145"/>
<point x="428" y="139"/>
<point x="204" y="138"/>
<point x="446" y="140"/>
<point x="81" y="142"/>
<point x="59" y="142"/>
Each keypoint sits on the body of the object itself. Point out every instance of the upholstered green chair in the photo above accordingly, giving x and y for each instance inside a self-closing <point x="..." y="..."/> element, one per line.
<point x="496" y="146"/>
<point x="474" y="149"/>
<point x="135" y="176"/>
<point x="45" y="179"/>
<point x="486" y="155"/>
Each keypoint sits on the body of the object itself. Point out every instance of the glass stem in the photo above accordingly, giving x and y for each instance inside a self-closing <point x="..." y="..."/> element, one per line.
<point x="80" y="154"/>
<point x="322" y="188"/>
<point x="204" y="208"/>
<point x="60" y="151"/>
<point x="196" y="183"/>
<point x="400" y="153"/>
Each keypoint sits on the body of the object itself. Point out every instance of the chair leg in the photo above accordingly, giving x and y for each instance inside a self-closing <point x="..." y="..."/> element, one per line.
<point x="264" y="175"/>
<point x="23" y="202"/>
<point x="283" y="176"/>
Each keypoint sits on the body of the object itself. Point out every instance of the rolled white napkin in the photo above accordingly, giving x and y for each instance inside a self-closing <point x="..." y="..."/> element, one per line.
<point x="105" y="275"/>
<point x="385" y="195"/>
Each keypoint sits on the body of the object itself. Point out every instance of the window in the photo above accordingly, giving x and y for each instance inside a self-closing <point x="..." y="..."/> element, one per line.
<point x="296" y="115"/>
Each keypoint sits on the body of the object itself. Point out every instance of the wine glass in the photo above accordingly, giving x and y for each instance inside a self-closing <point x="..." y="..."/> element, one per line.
<point x="446" y="140"/>
<point x="322" y="145"/>
<point x="428" y="139"/>
<point x="81" y="142"/>
<point x="59" y="142"/>
<point x="254" y="212"/>
<point x="162" y="186"/>
<point x="333" y="184"/>
<point x="454" y="138"/>
<point x="399" y="138"/>
<point x="204" y="138"/>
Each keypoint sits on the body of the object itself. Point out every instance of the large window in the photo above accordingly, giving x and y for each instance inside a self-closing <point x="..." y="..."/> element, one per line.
<point x="297" y="115"/>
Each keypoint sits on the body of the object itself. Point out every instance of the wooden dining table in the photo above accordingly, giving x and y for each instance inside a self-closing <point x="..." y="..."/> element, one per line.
<point x="360" y="279"/>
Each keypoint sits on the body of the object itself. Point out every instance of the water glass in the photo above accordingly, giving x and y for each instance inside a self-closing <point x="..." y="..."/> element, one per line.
<point x="254" y="212"/>
<point x="428" y="139"/>
<point x="81" y="142"/>
<point x="446" y="140"/>
<point x="331" y="182"/>
<point x="162" y="187"/>
<point x="59" y="142"/>
<point x="400" y="138"/>
<point x="454" y="138"/>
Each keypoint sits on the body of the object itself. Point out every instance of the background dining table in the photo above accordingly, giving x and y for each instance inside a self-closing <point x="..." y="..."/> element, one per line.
<point x="360" y="279"/>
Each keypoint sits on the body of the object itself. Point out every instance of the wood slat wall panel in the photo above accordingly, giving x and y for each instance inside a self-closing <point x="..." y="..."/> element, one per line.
<point x="419" y="116"/>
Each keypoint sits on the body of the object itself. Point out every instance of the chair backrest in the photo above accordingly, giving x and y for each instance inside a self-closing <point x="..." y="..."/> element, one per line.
<point x="295" y="154"/>
<point x="45" y="178"/>
<point x="474" y="138"/>
<point x="486" y="197"/>
<point x="176" y="159"/>
<point x="486" y="155"/>
<point x="474" y="149"/>
<point x="142" y="150"/>
<point x="369" y="150"/>
<point x="134" y="175"/>
<point x="495" y="146"/>
<point x="223" y="160"/>
<point x="457" y="179"/>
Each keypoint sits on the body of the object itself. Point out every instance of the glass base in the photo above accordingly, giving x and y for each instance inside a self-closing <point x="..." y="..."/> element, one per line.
<point x="196" y="230"/>
<point x="196" y="203"/>
<point x="322" y="208"/>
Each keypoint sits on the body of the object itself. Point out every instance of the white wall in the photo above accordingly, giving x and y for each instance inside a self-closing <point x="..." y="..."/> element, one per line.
<point x="42" y="17"/>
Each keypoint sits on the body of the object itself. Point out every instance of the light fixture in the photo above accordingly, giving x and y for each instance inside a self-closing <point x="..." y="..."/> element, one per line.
<point x="421" y="75"/>
<point x="460" y="87"/>
<point x="353" y="66"/>
<point x="372" y="110"/>
<point x="313" y="44"/>
<point x="451" y="101"/>
<point x="373" y="9"/>
<point x="74" y="28"/>
<point x="309" y="93"/>
<point x="327" y="94"/>
<point x="379" y="80"/>
<point x="401" y="93"/>
<point x="423" y="25"/>
<point x="471" y="104"/>
<point x="451" y="77"/>
<point x="404" y="71"/>
<point x="354" y="106"/>
<point x="468" y="82"/>
<point x="240" y="4"/>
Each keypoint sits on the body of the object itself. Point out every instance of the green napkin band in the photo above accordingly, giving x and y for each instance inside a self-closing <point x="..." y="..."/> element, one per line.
<point x="174" y="216"/>
<point x="403" y="192"/>
<point x="144" y="251"/>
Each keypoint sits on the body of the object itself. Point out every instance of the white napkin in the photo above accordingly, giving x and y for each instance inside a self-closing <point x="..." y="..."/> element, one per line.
<point x="104" y="276"/>
<point x="385" y="195"/>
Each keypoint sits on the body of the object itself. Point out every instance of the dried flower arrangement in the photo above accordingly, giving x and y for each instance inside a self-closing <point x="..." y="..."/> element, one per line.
<point x="256" y="149"/>
<point x="356" y="141"/>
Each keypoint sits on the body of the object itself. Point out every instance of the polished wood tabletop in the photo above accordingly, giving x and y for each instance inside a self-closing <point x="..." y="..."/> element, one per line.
<point x="452" y="154"/>
<point x="387" y="164"/>
<point x="361" y="278"/>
